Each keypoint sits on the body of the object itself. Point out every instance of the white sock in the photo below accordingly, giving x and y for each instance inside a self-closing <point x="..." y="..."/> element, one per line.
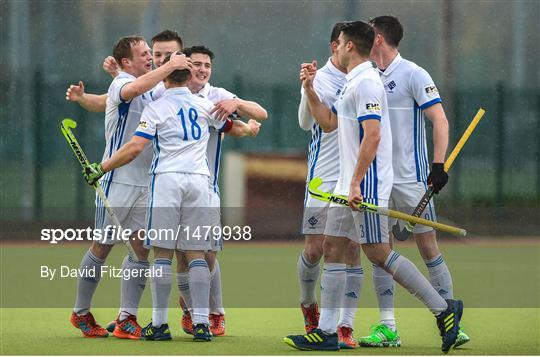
<point x="199" y="286"/>
<point x="86" y="286"/>
<point x="439" y="277"/>
<point x="353" y="287"/>
<point x="308" y="274"/>
<point x="132" y="288"/>
<point x="183" y="287"/>
<point x="216" y="299"/>
<point x="383" y="283"/>
<point x="408" y="276"/>
<point x="161" y="288"/>
<point x="333" y="281"/>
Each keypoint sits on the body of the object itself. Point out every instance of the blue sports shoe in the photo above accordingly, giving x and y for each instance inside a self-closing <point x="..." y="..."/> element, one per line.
<point x="201" y="333"/>
<point x="151" y="333"/>
<point x="448" y="323"/>
<point x="316" y="340"/>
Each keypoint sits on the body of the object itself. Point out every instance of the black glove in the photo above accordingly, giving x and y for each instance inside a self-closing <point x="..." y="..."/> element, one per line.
<point x="437" y="177"/>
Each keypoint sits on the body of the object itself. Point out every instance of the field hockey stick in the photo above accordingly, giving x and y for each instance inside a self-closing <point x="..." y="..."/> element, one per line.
<point x="313" y="188"/>
<point x="66" y="126"/>
<point x="404" y="234"/>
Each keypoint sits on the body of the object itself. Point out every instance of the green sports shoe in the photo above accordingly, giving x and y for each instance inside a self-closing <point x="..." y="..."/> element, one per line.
<point x="381" y="336"/>
<point x="462" y="338"/>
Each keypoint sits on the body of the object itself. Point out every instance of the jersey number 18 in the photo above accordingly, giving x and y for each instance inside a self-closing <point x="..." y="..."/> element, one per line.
<point x="195" y="128"/>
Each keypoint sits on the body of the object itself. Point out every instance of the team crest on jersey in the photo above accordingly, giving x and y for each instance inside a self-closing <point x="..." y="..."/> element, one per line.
<point x="391" y="86"/>
<point x="143" y="124"/>
<point x="373" y="106"/>
<point x="431" y="90"/>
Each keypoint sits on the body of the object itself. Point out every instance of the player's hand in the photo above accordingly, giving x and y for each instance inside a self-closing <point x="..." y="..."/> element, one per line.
<point x="254" y="126"/>
<point x="93" y="173"/>
<point x="75" y="92"/>
<point x="224" y="108"/>
<point x="355" y="197"/>
<point x="437" y="177"/>
<point x="110" y="66"/>
<point x="180" y="61"/>
<point x="307" y="73"/>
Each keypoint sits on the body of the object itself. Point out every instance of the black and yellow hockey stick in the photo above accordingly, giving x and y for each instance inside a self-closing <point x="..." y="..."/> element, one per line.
<point x="66" y="126"/>
<point x="314" y="191"/>
<point x="404" y="234"/>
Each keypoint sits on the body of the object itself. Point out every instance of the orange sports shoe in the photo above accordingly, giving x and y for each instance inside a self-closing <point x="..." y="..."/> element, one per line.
<point x="128" y="328"/>
<point x="311" y="316"/>
<point x="87" y="324"/>
<point x="345" y="338"/>
<point x="187" y="324"/>
<point x="217" y="324"/>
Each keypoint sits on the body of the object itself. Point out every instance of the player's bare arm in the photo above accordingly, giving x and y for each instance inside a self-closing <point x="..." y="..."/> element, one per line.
<point x="125" y="154"/>
<point x="241" y="129"/>
<point x="324" y="116"/>
<point x="147" y="81"/>
<point x="436" y="114"/>
<point x="244" y="108"/>
<point x="437" y="176"/>
<point x="305" y="121"/>
<point x="90" y="102"/>
<point x="366" y="155"/>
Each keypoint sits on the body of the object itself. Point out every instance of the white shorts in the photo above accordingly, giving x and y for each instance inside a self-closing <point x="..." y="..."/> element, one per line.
<point x="405" y="198"/>
<point x="315" y="211"/>
<point x="178" y="212"/>
<point x="360" y="227"/>
<point x="215" y="221"/>
<point x="129" y="204"/>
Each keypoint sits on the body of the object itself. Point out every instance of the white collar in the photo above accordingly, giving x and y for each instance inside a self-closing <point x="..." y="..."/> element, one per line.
<point x="358" y="69"/>
<point x="395" y="62"/>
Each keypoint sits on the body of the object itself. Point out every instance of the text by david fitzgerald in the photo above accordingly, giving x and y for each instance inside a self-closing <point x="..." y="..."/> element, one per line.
<point x="104" y="271"/>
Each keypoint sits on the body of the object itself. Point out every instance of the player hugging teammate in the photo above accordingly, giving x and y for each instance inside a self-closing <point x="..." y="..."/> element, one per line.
<point x="377" y="116"/>
<point x="172" y="108"/>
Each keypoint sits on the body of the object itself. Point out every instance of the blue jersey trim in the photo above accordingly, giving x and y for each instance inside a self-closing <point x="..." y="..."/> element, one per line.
<point x="216" y="164"/>
<point x="315" y="148"/>
<point x="334" y="110"/>
<point x="144" y="135"/>
<point x="430" y="103"/>
<point x="368" y="116"/>
<point x="150" y="208"/>
<point x="156" y="154"/>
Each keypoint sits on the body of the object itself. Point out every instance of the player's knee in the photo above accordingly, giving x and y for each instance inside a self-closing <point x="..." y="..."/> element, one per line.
<point x="313" y="252"/>
<point x="353" y="254"/>
<point x="427" y="245"/>
<point x="210" y="258"/>
<point x="375" y="254"/>
<point x="333" y="250"/>
<point x="182" y="263"/>
<point x="101" y="251"/>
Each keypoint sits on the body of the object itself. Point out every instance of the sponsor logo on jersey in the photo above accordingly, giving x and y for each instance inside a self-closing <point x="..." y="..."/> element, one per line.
<point x="391" y="86"/>
<point x="431" y="90"/>
<point x="373" y="106"/>
<point x="338" y="91"/>
<point x="143" y="124"/>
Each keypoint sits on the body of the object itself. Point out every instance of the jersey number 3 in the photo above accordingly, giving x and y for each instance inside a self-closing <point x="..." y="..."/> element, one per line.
<point x="195" y="128"/>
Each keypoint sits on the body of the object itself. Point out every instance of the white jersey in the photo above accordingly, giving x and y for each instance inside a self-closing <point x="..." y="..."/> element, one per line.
<point x="363" y="98"/>
<point x="121" y="121"/>
<point x="410" y="90"/>
<point x="178" y="124"/>
<point x="213" y="151"/>
<point x="323" y="147"/>
<point x="157" y="91"/>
